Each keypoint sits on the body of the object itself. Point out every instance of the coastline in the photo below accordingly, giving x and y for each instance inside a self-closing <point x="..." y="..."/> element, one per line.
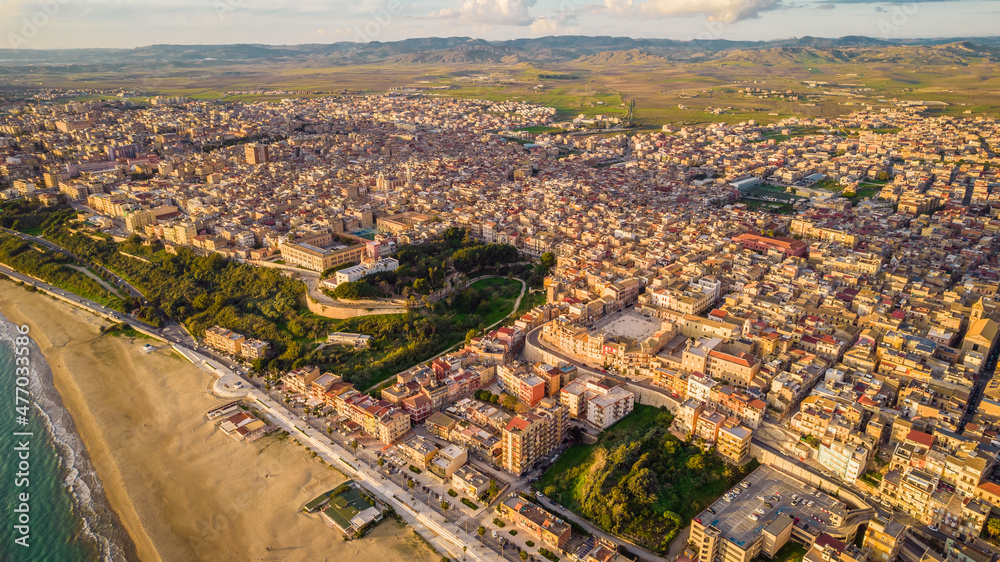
<point x="181" y="489"/>
<point x="107" y="480"/>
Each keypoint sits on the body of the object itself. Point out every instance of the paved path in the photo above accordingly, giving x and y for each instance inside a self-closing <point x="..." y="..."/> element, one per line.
<point x="111" y="288"/>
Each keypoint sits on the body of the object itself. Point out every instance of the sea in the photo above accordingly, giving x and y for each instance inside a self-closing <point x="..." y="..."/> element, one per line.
<point x="69" y="518"/>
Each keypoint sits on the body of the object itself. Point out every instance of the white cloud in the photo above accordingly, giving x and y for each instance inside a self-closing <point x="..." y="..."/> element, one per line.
<point x="546" y="26"/>
<point x="728" y="11"/>
<point x="501" y="12"/>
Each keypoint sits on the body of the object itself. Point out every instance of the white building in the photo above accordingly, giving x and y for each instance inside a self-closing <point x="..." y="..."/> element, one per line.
<point x="600" y="404"/>
<point x="354" y="273"/>
<point x="845" y="461"/>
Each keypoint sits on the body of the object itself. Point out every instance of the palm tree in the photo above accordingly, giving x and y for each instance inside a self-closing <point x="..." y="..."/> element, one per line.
<point x="444" y="507"/>
<point x="524" y="555"/>
<point x="354" y="445"/>
<point x="381" y="462"/>
<point x="411" y="484"/>
<point x="481" y="531"/>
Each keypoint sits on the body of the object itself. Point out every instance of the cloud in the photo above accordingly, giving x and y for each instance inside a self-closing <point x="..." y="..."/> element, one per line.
<point x="728" y="11"/>
<point x="500" y="12"/>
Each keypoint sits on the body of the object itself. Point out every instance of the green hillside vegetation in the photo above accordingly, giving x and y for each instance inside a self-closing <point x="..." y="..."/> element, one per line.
<point x="201" y="291"/>
<point x="400" y="341"/>
<point x="639" y="481"/>
<point x="51" y="267"/>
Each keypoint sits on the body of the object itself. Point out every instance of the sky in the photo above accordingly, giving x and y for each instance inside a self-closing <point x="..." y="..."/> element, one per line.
<point x="49" y="24"/>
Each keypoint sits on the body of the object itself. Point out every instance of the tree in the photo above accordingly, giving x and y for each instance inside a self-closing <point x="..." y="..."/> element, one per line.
<point x="354" y="445"/>
<point x="697" y="462"/>
<point x="444" y="507"/>
<point x="509" y="402"/>
<point x="469" y="335"/>
<point x="421" y="285"/>
<point x="481" y="531"/>
<point x="548" y="260"/>
<point x="993" y="526"/>
<point x="381" y="462"/>
<point x="411" y="483"/>
<point x="524" y="555"/>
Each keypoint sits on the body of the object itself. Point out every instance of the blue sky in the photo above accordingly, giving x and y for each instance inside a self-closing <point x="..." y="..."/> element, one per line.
<point x="47" y="24"/>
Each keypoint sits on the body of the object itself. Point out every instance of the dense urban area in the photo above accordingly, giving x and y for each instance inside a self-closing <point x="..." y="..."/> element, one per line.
<point x="557" y="338"/>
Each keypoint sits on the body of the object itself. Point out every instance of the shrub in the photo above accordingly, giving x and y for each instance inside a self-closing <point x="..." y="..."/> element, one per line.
<point x="499" y="522"/>
<point x="548" y="554"/>
<point x="452" y="493"/>
<point x="415" y="470"/>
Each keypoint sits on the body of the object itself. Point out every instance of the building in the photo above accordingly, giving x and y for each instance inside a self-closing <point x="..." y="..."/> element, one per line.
<point x="419" y="451"/>
<point x="469" y="480"/>
<point x="257" y="154"/>
<point x="357" y="272"/>
<point x="529" y="437"/>
<point x="735" y="368"/>
<point x="138" y="220"/>
<point x="300" y="380"/>
<point x="224" y="340"/>
<point x="357" y="341"/>
<point x="255" y="349"/>
<point x="539" y="523"/>
<point x="600" y="402"/>
<point x="733" y="443"/>
<point x="526" y="386"/>
<point x="883" y="539"/>
<point x="447" y="461"/>
<point x="828" y="549"/>
<point x="316" y="258"/>
<point x="788" y="247"/>
<point x="845" y="461"/>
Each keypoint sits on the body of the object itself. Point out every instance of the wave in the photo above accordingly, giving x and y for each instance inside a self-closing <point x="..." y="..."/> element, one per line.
<point x="100" y="525"/>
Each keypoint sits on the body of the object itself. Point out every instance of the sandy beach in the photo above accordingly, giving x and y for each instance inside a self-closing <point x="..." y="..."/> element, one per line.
<point x="183" y="489"/>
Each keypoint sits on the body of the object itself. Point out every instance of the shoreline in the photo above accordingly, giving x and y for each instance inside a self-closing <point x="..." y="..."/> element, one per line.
<point x="105" y="479"/>
<point x="182" y="489"/>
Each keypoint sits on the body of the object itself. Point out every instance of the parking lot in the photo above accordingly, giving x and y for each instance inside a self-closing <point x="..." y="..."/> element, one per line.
<point x="778" y="489"/>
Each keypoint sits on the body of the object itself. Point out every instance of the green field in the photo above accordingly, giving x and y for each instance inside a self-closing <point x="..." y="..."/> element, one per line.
<point x="666" y="88"/>
<point x="500" y="295"/>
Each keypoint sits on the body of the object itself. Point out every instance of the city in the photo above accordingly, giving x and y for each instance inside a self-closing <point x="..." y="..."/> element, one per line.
<point x="497" y="329"/>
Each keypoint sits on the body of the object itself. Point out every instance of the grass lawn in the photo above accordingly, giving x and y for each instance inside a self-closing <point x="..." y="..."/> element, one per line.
<point x="503" y="295"/>
<point x="539" y="129"/>
<point x="791" y="552"/>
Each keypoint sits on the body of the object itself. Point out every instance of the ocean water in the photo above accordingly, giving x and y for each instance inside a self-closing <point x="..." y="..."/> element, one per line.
<point x="69" y="517"/>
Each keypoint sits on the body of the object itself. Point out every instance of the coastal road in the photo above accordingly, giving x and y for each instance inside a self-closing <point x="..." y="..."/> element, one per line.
<point x="172" y="333"/>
